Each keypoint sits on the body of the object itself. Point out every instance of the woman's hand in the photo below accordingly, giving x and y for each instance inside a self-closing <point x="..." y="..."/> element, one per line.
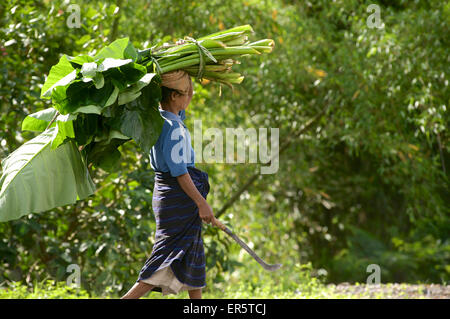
<point x="204" y="210"/>
<point x="206" y="213"/>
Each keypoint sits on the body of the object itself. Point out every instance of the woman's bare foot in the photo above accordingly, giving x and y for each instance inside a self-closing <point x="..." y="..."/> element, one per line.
<point x="195" y="294"/>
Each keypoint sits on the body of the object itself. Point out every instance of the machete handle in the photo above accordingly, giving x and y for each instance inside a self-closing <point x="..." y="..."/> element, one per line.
<point x="219" y="224"/>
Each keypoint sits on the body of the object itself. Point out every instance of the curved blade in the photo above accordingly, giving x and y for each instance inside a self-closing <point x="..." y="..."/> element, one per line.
<point x="265" y="265"/>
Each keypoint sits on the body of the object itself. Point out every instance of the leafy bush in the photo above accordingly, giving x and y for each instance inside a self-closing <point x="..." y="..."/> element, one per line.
<point x="48" y="289"/>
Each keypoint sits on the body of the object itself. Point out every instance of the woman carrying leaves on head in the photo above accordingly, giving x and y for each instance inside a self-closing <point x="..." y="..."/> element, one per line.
<point x="177" y="261"/>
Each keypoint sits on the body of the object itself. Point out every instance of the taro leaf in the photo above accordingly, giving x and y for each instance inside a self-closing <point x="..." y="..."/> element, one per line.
<point x="101" y="96"/>
<point x="86" y="126"/>
<point x="114" y="111"/>
<point x="106" y="136"/>
<point x="110" y="63"/>
<point x="113" y="97"/>
<point x="95" y="109"/>
<point x="129" y="96"/>
<point x="125" y="75"/>
<point x="105" y="154"/>
<point x="60" y="74"/>
<point x="119" y="49"/>
<point x="133" y="92"/>
<point x="141" y="119"/>
<point x="90" y="109"/>
<point x="89" y="69"/>
<point x="67" y="98"/>
<point x="133" y="72"/>
<point x="78" y="94"/>
<point x="118" y="80"/>
<point x="99" y="81"/>
<point x="39" y="121"/>
<point x="79" y="60"/>
<point x="36" y="178"/>
<point x="67" y="117"/>
<point x="108" y="160"/>
<point x="90" y="73"/>
<point x="64" y="131"/>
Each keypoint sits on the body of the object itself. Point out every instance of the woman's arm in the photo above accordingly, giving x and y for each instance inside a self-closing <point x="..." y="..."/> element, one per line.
<point x="204" y="210"/>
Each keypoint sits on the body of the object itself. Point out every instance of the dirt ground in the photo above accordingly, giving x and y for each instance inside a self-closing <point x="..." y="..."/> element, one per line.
<point x="394" y="291"/>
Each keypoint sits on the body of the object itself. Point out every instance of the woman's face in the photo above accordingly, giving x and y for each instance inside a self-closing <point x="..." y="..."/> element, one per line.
<point x="186" y="99"/>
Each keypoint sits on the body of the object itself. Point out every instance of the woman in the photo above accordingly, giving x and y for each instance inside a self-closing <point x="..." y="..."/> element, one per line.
<point x="177" y="261"/>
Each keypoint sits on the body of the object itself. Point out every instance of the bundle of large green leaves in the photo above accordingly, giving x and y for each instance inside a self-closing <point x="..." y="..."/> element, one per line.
<point x="98" y="103"/>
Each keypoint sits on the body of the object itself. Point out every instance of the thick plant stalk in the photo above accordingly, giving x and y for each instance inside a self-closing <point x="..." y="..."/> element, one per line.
<point x="232" y="51"/>
<point x="240" y="29"/>
<point x="212" y="68"/>
<point x="210" y="57"/>
<point x="180" y="65"/>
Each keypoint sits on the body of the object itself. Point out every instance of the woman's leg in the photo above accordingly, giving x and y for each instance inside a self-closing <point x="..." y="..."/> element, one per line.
<point x="195" y="293"/>
<point x="137" y="291"/>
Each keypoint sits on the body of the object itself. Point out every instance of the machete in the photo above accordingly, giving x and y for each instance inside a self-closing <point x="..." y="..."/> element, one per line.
<point x="265" y="265"/>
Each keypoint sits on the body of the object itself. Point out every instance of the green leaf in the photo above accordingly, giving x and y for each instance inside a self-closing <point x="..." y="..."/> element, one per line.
<point x="133" y="92"/>
<point x="128" y="96"/>
<point x="64" y="131"/>
<point x="61" y="73"/>
<point x="119" y="82"/>
<point x="106" y="156"/>
<point x="80" y="94"/>
<point x="69" y="97"/>
<point x="39" y="121"/>
<point x="36" y="178"/>
<point x="141" y="119"/>
<point x="86" y="126"/>
<point x="89" y="70"/>
<point x="79" y="60"/>
<point x="111" y="134"/>
<point x="126" y="74"/>
<point x="110" y="63"/>
<point x="103" y="151"/>
<point x="113" y="97"/>
<point x="66" y="118"/>
<point x="133" y="72"/>
<point x="91" y="109"/>
<point x="99" y="81"/>
<point x="101" y="96"/>
<point x="119" y="49"/>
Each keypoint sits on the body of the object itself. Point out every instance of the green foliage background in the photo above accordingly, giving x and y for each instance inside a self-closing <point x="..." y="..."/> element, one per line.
<point x="367" y="185"/>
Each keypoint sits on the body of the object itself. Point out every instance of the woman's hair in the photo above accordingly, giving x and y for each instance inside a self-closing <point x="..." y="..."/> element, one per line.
<point x="166" y="92"/>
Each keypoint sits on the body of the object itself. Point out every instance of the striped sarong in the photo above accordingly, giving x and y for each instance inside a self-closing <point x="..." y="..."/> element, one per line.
<point x="178" y="237"/>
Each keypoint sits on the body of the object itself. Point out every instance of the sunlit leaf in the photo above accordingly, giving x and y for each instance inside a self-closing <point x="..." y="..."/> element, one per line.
<point x="60" y="74"/>
<point x="36" y="178"/>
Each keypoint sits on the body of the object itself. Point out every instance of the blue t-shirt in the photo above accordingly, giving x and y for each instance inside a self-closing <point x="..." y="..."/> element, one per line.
<point x="173" y="151"/>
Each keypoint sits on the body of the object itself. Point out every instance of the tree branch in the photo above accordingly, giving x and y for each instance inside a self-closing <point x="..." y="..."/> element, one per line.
<point x="283" y="147"/>
<point x="115" y="25"/>
<point x="51" y="122"/>
<point x="440" y="152"/>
